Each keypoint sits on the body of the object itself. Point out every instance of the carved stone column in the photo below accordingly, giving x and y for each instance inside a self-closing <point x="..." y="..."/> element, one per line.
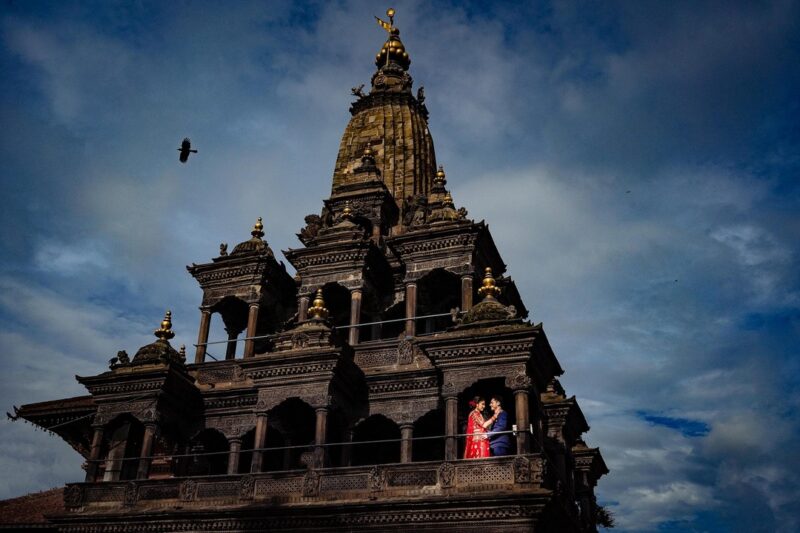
<point x="320" y="435"/>
<point x="93" y="466"/>
<point x="147" y="451"/>
<point x="233" y="455"/>
<point x="451" y="428"/>
<point x="523" y="421"/>
<point x="202" y="336"/>
<point x="252" y="322"/>
<point x="302" y="308"/>
<point x="259" y="441"/>
<point x="355" y="315"/>
<point x="411" y="308"/>
<point x="466" y="292"/>
<point x="230" y="350"/>
<point x="406" y="434"/>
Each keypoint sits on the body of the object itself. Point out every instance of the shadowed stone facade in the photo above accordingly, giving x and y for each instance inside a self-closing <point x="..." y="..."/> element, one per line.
<point x="341" y="400"/>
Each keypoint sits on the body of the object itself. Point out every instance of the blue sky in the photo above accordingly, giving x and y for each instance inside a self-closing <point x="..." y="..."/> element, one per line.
<point x="637" y="163"/>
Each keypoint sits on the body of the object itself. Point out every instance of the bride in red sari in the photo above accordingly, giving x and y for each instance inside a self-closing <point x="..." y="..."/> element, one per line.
<point x="477" y="438"/>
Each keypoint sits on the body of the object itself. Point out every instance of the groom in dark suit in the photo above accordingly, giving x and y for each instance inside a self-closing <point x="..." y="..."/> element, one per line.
<point x="499" y="444"/>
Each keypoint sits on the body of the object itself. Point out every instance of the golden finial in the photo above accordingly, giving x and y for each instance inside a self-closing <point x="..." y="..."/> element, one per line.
<point x="489" y="290"/>
<point x="448" y="200"/>
<point x="318" y="311"/>
<point x="258" y="229"/>
<point x="439" y="179"/>
<point x="165" y="332"/>
<point x="368" y="151"/>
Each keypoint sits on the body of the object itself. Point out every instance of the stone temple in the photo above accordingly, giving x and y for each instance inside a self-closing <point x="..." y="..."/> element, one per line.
<point x="341" y="401"/>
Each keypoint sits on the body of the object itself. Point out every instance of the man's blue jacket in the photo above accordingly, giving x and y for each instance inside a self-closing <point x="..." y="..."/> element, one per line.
<point x="500" y="444"/>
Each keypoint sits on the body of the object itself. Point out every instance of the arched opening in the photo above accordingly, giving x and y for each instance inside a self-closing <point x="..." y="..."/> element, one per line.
<point x="209" y="450"/>
<point x="234" y="313"/>
<point x="485" y="388"/>
<point x="296" y="422"/>
<point x="273" y="458"/>
<point x="122" y="448"/>
<point x="376" y="427"/>
<point x="246" y="454"/>
<point x="437" y="292"/>
<point x="337" y="300"/>
<point x="393" y="330"/>
<point x="431" y="424"/>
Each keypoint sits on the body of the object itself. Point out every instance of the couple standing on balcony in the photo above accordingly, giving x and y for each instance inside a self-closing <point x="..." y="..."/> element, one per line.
<point x="485" y="435"/>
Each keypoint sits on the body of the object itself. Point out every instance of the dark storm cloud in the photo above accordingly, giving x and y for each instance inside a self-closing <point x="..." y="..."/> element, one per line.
<point x="637" y="163"/>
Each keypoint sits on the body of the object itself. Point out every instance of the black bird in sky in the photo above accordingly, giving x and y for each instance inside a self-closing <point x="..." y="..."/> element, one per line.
<point x="186" y="149"/>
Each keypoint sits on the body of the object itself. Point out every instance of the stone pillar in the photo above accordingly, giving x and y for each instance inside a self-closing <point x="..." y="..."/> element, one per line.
<point x="466" y="293"/>
<point x="406" y="434"/>
<point x="252" y="322"/>
<point x="411" y="308"/>
<point x="347" y="449"/>
<point x="93" y="466"/>
<point x="320" y="435"/>
<point x="202" y="336"/>
<point x="523" y="421"/>
<point x="230" y="350"/>
<point x="355" y="315"/>
<point x="147" y="451"/>
<point x="233" y="455"/>
<point x="302" y="308"/>
<point x="451" y="428"/>
<point x="259" y="441"/>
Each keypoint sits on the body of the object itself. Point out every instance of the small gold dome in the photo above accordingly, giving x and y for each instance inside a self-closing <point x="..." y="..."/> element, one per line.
<point x="258" y="229"/>
<point x="489" y="289"/>
<point x="165" y="331"/>
<point x="317" y="311"/>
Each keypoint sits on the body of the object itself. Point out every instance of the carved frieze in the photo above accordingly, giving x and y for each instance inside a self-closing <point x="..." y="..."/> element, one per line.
<point x="232" y="426"/>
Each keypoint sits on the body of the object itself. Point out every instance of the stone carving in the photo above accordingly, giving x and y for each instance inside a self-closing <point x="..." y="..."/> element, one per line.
<point x="246" y="486"/>
<point x="415" y="210"/>
<point x="377" y="479"/>
<point x="188" y="490"/>
<point x="223" y="249"/>
<point x="520" y="382"/>
<point x="405" y="352"/>
<point x="73" y="496"/>
<point x="449" y="389"/>
<point x="421" y="94"/>
<point x="130" y="493"/>
<point x="522" y="470"/>
<point x="358" y="91"/>
<point x="313" y="225"/>
<point x="447" y="474"/>
<point x="311" y="484"/>
<point x="299" y="340"/>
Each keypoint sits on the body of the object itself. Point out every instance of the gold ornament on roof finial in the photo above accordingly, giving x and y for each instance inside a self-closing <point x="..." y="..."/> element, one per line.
<point x="390" y="14"/>
<point x="448" y="200"/>
<point x="317" y="311"/>
<point x="388" y="26"/>
<point x="439" y="179"/>
<point x="258" y="229"/>
<point x="165" y="331"/>
<point x="489" y="290"/>
<point x="347" y="212"/>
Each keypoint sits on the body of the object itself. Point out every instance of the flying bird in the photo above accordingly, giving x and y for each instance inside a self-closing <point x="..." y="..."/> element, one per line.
<point x="185" y="150"/>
